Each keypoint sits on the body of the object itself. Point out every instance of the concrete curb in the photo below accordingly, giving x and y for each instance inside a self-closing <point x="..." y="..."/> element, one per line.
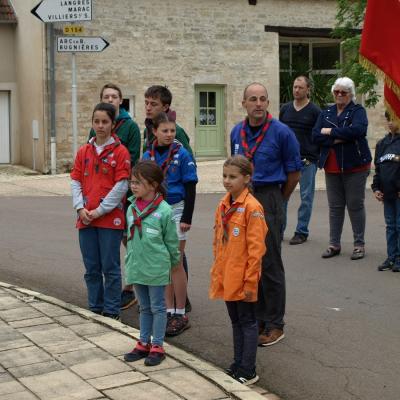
<point x="208" y="371"/>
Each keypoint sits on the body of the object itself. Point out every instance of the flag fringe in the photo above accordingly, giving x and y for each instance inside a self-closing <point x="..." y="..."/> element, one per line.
<point x="371" y="67"/>
<point x="392" y="113"/>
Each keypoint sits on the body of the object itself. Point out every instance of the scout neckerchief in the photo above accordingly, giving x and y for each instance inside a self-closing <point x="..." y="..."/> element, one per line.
<point x="117" y="125"/>
<point x="226" y="215"/>
<point x="249" y="153"/>
<point x="137" y="219"/>
<point x="173" y="149"/>
<point x="103" y="155"/>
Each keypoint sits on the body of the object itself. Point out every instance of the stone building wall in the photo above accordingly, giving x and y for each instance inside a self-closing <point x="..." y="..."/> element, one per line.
<point x="180" y="43"/>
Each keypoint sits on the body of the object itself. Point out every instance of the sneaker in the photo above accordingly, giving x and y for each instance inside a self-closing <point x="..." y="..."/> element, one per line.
<point x="112" y="316"/>
<point x="140" y="351"/>
<point x="298" y="238"/>
<point x="155" y="357"/>
<point x="386" y="265"/>
<point x="128" y="299"/>
<point x="358" y="253"/>
<point x="176" y="324"/>
<point x="232" y="370"/>
<point x="244" y="378"/>
<point x="396" y="267"/>
<point x="271" y="337"/>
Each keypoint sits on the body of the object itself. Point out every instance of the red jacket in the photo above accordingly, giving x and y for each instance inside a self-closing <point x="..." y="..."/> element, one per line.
<point x="237" y="264"/>
<point x="98" y="174"/>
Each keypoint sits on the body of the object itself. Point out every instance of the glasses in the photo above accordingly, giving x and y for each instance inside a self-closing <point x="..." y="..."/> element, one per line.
<point x="341" y="92"/>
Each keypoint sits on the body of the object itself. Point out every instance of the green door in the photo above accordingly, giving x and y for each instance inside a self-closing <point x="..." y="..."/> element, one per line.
<point x="209" y="121"/>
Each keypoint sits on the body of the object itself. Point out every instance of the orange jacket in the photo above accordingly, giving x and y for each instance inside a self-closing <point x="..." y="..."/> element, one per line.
<point x="237" y="261"/>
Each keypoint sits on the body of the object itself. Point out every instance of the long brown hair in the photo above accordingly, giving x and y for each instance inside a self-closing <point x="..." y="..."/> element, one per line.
<point x="152" y="173"/>
<point x="243" y="164"/>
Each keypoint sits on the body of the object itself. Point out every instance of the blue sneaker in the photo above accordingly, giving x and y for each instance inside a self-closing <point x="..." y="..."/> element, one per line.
<point x="386" y="265"/>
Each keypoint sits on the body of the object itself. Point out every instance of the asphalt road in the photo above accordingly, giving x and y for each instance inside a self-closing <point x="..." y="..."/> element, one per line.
<point x="343" y="317"/>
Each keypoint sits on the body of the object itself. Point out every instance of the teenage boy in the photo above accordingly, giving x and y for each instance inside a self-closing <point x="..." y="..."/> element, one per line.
<point x="386" y="188"/>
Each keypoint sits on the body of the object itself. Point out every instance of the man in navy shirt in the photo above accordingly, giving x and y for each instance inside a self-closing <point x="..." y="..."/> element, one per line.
<point x="274" y="151"/>
<point x="301" y="115"/>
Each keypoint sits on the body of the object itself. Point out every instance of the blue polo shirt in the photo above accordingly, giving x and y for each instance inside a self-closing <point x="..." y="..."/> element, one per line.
<point x="276" y="156"/>
<point x="181" y="170"/>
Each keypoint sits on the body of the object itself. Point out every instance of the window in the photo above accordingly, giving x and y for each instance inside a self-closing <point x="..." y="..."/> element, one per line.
<point x="315" y="58"/>
<point x="128" y="104"/>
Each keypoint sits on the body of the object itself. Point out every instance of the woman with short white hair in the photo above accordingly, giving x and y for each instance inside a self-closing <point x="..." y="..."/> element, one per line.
<point x="341" y="132"/>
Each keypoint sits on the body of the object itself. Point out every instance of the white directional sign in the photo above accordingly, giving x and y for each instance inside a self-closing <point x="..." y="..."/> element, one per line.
<point x="80" y="44"/>
<point x="63" y="10"/>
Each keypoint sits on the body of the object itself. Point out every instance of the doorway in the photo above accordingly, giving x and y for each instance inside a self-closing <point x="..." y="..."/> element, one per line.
<point x="5" y="127"/>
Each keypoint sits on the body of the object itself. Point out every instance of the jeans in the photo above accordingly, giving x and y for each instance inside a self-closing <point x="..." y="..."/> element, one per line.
<point x="153" y="313"/>
<point x="100" y="252"/>
<point x="245" y="334"/>
<point x="307" y="189"/>
<point x="391" y="209"/>
<point x="271" y="303"/>
<point x="346" y="190"/>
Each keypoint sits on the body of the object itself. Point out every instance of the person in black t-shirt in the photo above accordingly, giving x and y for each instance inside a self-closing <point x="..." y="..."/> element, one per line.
<point x="301" y="115"/>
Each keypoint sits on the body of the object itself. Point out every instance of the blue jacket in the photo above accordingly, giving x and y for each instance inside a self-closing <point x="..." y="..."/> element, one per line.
<point x="351" y="127"/>
<point x="181" y="170"/>
<point x="277" y="154"/>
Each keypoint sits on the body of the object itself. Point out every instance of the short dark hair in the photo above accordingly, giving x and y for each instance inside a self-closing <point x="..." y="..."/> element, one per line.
<point x="162" y="117"/>
<point x="307" y="80"/>
<point x="152" y="173"/>
<point x="110" y="86"/>
<point x="159" y="92"/>
<point x="108" y="108"/>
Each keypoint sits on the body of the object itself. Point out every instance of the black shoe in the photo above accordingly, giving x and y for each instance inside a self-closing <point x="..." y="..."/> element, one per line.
<point x="396" y="267"/>
<point x="386" y="265"/>
<point x="298" y="238"/>
<point x="155" y="357"/>
<point x="139" y="352"/>
<point x="232" y="370"/>
<point x="331" y="252"/>
<point x="127" y="299"/>
<point x="358" y="253"/>
<point x="245" y="378"/>
<point x="112" y="316"/>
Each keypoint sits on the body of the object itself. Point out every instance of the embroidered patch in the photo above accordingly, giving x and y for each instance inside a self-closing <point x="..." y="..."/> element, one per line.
<point x="114" y="163"/>
<point x="156" y="215"/>
<point x="240" y="210"/>
<point x="236" y="231"/>
<point x="117" y="221"/>
<point x="191" y="163"/>
<point x="152" y="231"/>
<point x="257" y="214"/>
<point x="176" y="156"/>
<point x="236" y="149"/>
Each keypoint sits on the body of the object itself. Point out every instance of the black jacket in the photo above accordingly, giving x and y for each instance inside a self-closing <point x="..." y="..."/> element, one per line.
<point x="387" y="166"/>
<point x="350" y="127"/>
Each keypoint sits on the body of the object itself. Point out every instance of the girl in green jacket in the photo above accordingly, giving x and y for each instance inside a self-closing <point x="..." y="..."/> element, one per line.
<point x="152" y="250"/>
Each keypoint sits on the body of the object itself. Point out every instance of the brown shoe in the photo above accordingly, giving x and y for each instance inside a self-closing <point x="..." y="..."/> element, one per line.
<point x="271" y="337"/>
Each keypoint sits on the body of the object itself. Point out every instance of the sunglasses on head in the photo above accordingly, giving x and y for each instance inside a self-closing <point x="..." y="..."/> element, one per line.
<point x="341" y="92"/>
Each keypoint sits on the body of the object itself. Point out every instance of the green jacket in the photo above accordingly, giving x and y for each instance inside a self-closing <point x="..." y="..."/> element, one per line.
<point x="129" y="134"/>
<point x="149" y="259"/>
<point x="181" y="136"/>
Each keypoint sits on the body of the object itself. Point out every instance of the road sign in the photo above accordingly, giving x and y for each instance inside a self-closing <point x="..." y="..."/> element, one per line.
<point x="63" y="10"/>
<point x="73" y="29"/>
<point x="80" y="44"/>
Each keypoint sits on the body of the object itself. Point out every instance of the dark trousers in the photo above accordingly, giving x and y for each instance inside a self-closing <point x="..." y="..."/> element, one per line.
<point x="245" y="334"/>
<point x="271" y="303"/>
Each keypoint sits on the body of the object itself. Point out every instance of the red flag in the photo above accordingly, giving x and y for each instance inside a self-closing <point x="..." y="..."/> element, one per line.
<point x="379" y="51"/>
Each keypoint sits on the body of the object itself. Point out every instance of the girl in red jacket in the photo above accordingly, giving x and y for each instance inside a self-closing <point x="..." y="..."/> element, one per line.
<point x="239" y="245"/>
<point x="99" y="185"/>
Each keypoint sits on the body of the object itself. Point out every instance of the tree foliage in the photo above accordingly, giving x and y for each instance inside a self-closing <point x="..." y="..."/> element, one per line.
<point x="350" y="16"/>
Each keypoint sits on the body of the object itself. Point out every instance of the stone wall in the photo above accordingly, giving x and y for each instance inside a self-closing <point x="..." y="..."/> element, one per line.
<point x="180" y="43"/>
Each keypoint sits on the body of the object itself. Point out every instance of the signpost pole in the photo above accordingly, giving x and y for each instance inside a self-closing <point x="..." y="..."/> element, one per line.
<point x="74" y="108"/>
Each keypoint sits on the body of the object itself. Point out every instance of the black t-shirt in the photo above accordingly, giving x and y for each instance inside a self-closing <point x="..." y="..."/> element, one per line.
<point x="302" y="122"/>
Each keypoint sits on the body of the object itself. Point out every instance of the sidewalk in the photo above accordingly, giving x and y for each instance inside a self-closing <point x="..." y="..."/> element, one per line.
<point x="20" y="181"/>
<point x="52" y="350"/>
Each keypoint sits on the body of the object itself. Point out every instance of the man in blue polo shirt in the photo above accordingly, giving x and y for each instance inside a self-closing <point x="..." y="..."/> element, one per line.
<point x="274" y="151"/>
